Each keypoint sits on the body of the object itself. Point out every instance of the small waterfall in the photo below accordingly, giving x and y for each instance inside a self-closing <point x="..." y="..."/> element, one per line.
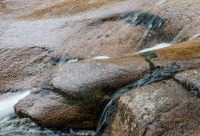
<point x="7" y="104"/>
<point x="195" y="36"/>
<point x="182" y="32"/>
<point x="153" y="76"/>
<point x="158" y="46"/>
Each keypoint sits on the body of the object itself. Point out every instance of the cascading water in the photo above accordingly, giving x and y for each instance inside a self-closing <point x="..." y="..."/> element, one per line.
<point x="8" y="104"/>
<point x="101" y="57"/>
<point x="26" y="126"/>
<point x="149" y="21"/>
<point x="158" y="46"/>
<point x="153" y="76"/>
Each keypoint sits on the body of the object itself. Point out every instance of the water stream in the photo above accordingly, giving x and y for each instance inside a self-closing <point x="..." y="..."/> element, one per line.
<point x="155" y="47"/>
<point x="8" y="104"/>
<point x="153" y="76"/>
<point x="152" y="22"/>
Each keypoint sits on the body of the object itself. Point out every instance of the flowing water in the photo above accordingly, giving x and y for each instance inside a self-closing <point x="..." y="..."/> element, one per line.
<point x="153" y="76"/>
<point x="10" y="124"/>
<point x="101" y="57"/>
<point x="158" y="46"/>
<point x="13" y="126"/>
<point x="8" y="104"/>
<point x="47" y="35"/>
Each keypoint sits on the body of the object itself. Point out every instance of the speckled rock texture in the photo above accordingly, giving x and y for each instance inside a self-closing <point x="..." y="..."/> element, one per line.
<point x="162" y="108"/>
<point x="36" y="36"/>
<point x="20" y="67"/>
<point x="191" y="80"/>
<point x="86" y="80"/>
<point x="78" y="92"/>
<point x="52" y="110"/>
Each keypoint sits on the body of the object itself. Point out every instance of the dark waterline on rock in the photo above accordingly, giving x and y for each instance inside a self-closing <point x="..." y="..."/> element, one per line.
<point x="155" y="75"/>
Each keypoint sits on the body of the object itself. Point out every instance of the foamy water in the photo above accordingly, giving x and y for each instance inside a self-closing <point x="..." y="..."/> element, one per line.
<point x="6" y="105"/>
<point x="158" y="46"/>
<point x="101" y="57"/>
<point x="72" y="60"/>
<point x="161" y="2"/>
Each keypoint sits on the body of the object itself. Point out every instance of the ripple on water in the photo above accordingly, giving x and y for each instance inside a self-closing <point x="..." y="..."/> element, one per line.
<point x="12" y="125"/>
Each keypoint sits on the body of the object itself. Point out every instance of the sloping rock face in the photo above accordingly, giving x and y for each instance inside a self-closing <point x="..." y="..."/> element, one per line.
<point x="101" y="27"/>
<point x="52" y="110"/>
<point x="20" y="67"/>
<point x="88" y="85"/>
<point x="97" y="78"/>
<point x="37" y="35"/>
<point x="169" y="107"/>
<point x="163" y="108"/>
<point x="185" y="54"/>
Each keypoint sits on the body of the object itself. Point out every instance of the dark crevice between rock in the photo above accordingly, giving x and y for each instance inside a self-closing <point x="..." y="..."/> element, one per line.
<point x="77" y="100"/>
<point x="194" y="89"/>
<point x="46" y="49"/>
<point x="111" y="18"/>
<point x="151" y="22"/>
<point x="15" y="90"/>
<point x="116" y="17"/>
<point x="91" y="102"/>
<point x="89" y="99"/>
<point x="127" y="15"/>
<point x="154" y="75"/>
<point x="147" y="56"/>
<point x="55" y="60"/>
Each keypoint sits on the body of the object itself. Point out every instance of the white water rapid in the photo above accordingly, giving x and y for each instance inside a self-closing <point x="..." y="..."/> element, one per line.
<point x="6" y="105"/>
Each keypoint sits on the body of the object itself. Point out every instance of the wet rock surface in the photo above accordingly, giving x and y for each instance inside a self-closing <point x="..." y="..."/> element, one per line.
<point x="20" y="67"/>
<point x="163" y="108"/>
<point x="52" y="110"/>
<point x="38" y="38"/>
<point x="73" y="103"/>
<point x="97" y="78"/>
<point x="191" y="80"/>
<point x="25" y="126"/>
